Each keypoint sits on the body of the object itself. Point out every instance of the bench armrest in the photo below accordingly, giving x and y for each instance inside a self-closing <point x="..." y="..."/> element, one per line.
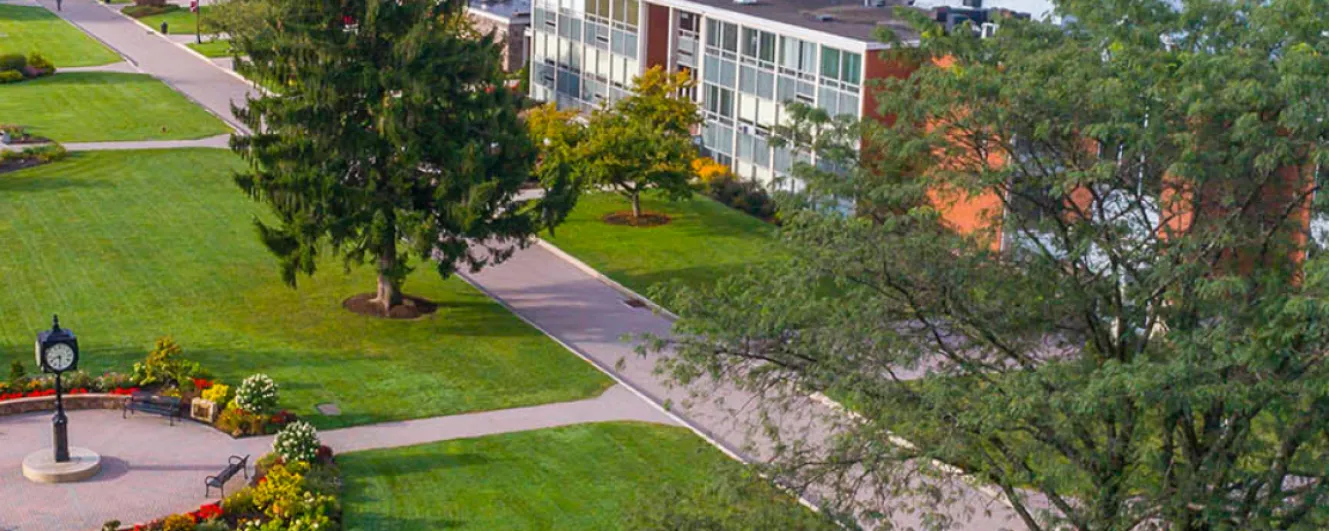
<point x="237" y="460"/>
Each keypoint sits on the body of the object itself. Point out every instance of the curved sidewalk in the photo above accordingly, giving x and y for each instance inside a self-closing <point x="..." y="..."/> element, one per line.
<point x="151" y="469"/>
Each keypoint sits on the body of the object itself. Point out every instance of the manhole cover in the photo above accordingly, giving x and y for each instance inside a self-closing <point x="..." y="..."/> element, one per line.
<point x="330" y="410"/>
<point x="635" y="303"/>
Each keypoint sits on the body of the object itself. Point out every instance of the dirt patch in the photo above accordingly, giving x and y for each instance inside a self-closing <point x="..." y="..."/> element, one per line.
<point x="646" y="219"/>
<point x="410" y="307"/>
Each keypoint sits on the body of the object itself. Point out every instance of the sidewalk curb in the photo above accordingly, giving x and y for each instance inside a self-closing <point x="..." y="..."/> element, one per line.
<point x="236" y="127"/>
<point x="820" y="398"/>
<point x="604" y="279"/>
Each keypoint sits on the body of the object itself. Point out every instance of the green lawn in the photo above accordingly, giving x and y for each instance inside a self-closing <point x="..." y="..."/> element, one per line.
<point x="179" y="22"/>
<point x="105" y="106"/>
<point x="589" y="476"/>
<point x="704" y="240"/>
<point x="127" y="246"/>
<point x="24" y="30"/>
<point x="215" y="48"/>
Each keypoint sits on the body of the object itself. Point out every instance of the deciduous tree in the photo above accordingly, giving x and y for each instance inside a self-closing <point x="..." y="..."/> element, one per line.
<point x="1135" y="337"/>
<point x="644" y="141"/>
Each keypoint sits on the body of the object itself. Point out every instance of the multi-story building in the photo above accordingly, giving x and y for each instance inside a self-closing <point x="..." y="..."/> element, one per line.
<point x="508" y="20"/>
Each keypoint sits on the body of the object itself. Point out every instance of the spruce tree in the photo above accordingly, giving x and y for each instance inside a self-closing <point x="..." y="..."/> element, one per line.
<point x="390" y="137"/>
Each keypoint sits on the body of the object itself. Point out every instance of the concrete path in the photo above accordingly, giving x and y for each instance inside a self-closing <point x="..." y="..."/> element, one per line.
<point x="592" y="319"/>
<point x="196" y="78"/>
<point x="219" y="141"/>
<point x="122" y="66"/>
<point x="152" y="469"/>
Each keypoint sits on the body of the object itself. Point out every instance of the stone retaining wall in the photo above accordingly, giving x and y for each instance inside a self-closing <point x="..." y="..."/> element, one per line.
<point x="47" y="403"/>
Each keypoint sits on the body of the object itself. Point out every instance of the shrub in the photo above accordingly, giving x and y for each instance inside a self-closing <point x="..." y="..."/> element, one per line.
<point x="212" y="525"/>
<point x="280" y="490"/>
<point x="266" y="462"/>
<point x="147" y="11"/>
<point x="745" y="196"/>
<point x="218" y="394"/>
<point x="178" y="522"/>
<point x="166" y="364"/>
<point x="240" y="502"/>
<point x="257" y="394"/>
<point x="112" y="381"/>
<point x="111" y="525"/>
<point x="13" y="61"/>
<point x="298" y="441"/>
<point x="18" y="375"/>
<point x="237" y="422"/>
<point x="79" y="379"/>
<point x="149" y="3"/>
<point x="40" y="64"/>
<point x="47" y="153"/>
<point x="10" y="76"/>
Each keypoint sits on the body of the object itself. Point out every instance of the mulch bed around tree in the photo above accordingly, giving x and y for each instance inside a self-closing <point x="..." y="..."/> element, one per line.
<point x="646" y="219"/>
<point x="410" y="308"/>
<point x="7" y="166"/>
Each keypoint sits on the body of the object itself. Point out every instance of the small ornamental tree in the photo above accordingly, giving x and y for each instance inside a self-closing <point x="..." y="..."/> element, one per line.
<point x="644" y="141"/>
<point x="393" y="138"/>
<point x="558" y="136"/>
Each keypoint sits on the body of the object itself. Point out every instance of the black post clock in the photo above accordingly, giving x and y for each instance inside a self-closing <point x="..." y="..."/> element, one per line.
<point x="57" y="352"/>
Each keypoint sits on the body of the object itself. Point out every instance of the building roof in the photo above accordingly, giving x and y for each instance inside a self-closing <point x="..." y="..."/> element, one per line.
<point x="507" y="10"/>
<point x="845" y="18"/>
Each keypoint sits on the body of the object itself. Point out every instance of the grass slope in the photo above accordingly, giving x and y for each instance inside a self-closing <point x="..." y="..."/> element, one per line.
<point x="704" y="240"/>
<point x="105" y="106"/>
<point x="24" y="30"/>
<point x="589" y="476"/>
<point x="129" y="246"/>
<point x="213" y="48"/>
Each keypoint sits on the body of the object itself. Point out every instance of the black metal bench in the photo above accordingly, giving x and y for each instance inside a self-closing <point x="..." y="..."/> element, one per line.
<point x="166" y="406"/>
<point x="234" y="464"/>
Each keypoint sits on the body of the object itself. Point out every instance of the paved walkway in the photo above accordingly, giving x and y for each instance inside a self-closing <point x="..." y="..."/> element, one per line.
<point x="200" y="80"/>
<point x="151" y="469"/>
<point x="591" y="318"/>
<point x="219" y="141"/>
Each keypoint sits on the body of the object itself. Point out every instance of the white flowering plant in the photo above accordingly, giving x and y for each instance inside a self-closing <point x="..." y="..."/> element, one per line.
<point x="257" y="394"/>
<point x="297" y="441"/>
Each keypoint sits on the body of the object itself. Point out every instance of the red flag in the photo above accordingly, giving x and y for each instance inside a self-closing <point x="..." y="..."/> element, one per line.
<point x="193" y="6"/>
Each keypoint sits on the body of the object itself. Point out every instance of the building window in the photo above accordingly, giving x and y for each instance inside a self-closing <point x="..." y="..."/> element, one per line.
<point x="797" y="55"/>
<point x="688" y="22"/>
<point x="830" y="62"/>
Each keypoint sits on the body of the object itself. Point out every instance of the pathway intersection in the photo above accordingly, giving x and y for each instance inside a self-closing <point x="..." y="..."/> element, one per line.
<point x="559" y="297"/>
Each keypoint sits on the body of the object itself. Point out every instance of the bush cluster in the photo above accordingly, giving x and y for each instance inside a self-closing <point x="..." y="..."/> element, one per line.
<point x="296" y="441"/>
<point x="718" y="182"/>
<point x="15" y="67"/>
<point x="257" y="394"/>
<point x="147" y="10"/>
<point x="43" y="154"/>
<point x="166" y="365"/>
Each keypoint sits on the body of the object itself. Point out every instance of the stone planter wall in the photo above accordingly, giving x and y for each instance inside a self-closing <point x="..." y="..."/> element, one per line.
<point x="47" y="403"/>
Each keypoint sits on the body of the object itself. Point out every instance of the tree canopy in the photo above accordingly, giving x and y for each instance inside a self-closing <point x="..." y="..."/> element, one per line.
<point x="1133" y="337"/>
<point x="393" y="138"/>
<point x="644" y="141"/>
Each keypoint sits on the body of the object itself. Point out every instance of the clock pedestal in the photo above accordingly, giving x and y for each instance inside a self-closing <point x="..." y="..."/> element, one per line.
<point x="40" y="466"/>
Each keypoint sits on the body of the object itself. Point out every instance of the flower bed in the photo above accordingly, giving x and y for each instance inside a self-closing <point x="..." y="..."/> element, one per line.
<point x="293" y="492"/>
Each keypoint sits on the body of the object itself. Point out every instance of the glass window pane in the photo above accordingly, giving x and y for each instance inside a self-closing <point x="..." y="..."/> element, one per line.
<point x="730" y="37"/>
<point x="829" y="100"/>
<point x="747" y="80"/>
<point x="765" y="85"/>
<point x="767" y="52"/>
<point x="830" y="62"/>
<point x="808" y="58"/>
<point x="853" y="64"/>
<point x="633" y="11"/>
<point x="784" y="90"/>
<point x="750" y="42"/>
<point x="728" y="73"/>
<point x="848" y="104"/>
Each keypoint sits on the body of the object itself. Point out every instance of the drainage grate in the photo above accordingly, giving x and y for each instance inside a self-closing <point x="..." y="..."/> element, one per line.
<point x="634" y="303"/>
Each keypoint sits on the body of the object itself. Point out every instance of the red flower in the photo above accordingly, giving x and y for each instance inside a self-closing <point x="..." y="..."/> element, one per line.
<point x="207" y="511"/>
<point x="201" y="384"/>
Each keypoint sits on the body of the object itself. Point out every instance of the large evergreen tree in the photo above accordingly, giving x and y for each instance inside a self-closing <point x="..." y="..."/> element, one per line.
<point x="1136" y="340"/>
<point x="392" y="137"/>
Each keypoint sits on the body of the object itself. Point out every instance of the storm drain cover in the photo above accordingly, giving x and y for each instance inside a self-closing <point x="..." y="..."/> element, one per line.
<point x="634" y="303"/>
<point x="330" y="410"/>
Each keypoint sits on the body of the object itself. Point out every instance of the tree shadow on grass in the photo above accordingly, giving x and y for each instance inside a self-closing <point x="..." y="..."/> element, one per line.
<point x="361" y="505"/>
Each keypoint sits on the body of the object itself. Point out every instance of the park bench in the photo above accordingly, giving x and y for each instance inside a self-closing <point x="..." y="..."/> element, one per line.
<point x="233" y="465"/>
<point x="167" y="406"/>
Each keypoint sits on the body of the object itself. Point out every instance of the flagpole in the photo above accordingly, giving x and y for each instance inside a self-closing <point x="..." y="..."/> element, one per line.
<point x="198" y="21"/>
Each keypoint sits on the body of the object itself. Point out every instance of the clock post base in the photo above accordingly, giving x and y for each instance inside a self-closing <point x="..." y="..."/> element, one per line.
<point x="41" y="467"/>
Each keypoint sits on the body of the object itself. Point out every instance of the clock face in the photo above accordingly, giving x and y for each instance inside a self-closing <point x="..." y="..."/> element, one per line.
<point x="59" y="357"/>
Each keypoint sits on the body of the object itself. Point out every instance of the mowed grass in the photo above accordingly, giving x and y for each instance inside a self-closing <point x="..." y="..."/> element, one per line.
<point x="127" y="246"/>
<point x="704" y="241"/>
<point x="180" y="21"/>
<point x="24" y="30"/>
<point x="589" y="476"/>
<point x="105" y="106"/>
<point x="213" y="49"/>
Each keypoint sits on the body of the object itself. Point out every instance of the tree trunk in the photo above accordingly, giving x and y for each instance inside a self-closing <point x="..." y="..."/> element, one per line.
<point x="387" y="294"/>
<point x="636" y="206"/>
